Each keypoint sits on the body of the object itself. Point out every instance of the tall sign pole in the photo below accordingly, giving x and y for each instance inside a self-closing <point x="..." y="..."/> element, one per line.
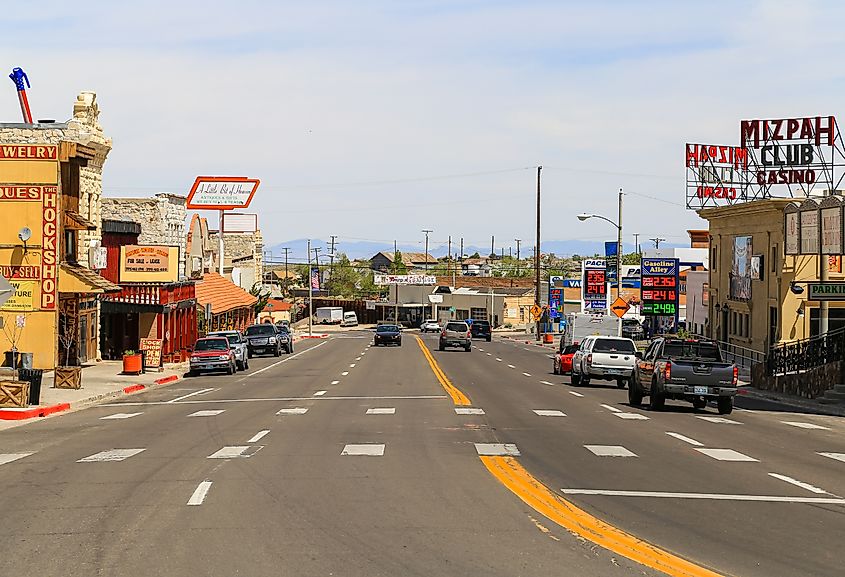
<point x="310" y="293"/>
<point x="220" y="243"/>
<point x="537" y="256"/>
<point x="619" y="260"/>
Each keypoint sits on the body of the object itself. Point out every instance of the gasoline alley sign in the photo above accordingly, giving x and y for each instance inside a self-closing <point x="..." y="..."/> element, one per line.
<point x="786" y="157"/>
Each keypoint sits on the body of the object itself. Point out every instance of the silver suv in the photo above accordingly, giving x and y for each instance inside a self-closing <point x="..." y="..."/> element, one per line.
<point x="456" y="334"/>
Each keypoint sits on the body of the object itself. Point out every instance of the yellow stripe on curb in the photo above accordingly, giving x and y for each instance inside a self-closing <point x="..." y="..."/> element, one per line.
<point x="557" y="509"/>
<point x="458" y="397"/>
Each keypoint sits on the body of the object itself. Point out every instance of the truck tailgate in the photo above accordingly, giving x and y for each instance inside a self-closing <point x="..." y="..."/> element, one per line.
<point x="706" y="373"/>
<point x="614" y="360"/>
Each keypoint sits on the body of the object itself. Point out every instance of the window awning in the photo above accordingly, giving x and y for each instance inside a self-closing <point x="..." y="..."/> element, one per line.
<point x="75" y="221"/>
<point x="78" y="279"/>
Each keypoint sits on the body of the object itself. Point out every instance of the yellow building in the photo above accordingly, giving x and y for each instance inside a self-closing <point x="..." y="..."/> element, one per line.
<point x="751" y="303"/>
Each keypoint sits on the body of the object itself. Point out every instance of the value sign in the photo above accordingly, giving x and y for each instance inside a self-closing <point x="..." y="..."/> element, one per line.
<point x="222" y="192"/>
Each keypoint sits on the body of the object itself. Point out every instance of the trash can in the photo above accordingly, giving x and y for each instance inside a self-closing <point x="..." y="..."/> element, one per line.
<point x="34" y="377"/>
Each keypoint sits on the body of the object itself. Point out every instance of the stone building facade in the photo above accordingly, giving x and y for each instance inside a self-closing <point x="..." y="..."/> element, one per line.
<point x="243" y="261"/>
<point x="162" y="219"/>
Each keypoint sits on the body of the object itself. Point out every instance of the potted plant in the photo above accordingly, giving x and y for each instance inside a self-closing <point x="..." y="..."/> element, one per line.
<point x="132" y="363"/>
<point x="68" y="376"/>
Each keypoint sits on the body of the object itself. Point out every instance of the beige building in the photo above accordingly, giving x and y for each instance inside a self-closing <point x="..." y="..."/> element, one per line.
<point x="750" y="301"/>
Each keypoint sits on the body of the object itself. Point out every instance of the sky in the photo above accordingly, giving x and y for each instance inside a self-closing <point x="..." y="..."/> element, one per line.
<point x="373" y="120"/>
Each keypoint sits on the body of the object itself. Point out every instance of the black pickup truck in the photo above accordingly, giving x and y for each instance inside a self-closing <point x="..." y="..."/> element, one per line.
<point x="683" y="369"/>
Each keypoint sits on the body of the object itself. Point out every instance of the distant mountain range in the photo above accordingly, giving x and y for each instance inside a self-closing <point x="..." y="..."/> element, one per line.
<point x="365" y="249"/>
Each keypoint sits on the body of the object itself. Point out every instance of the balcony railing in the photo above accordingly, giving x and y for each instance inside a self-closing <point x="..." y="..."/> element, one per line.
<point x="153" y="294"/>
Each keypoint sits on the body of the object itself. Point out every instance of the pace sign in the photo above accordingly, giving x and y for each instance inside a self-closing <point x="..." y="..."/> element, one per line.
<point x="659" y="287"/>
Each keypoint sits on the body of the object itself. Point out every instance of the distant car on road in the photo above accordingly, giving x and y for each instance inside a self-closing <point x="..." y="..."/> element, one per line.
<point x="430" y="325"/>
<point x="562" y="364"/>
<point x="238" y="344"/>
<point x="350" y="319"/>
<point x="263" y="339"/>
<point x="606" y="358"/>
<point x="685" y="369"/>
<point x="388" y="335"/>
<point x="481" y="330"/>
<point x="632" y="329"/>
<point x="212" y="354"/>
<point x="285" y="337"/>
<point x="456" y="334"/>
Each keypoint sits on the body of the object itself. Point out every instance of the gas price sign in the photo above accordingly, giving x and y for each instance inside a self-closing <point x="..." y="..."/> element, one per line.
<point x="596" y="284"/>
<point x="659" y="287"/>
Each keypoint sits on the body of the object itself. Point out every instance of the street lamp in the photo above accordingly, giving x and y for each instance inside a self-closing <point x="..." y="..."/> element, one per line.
<point x="426" y="231"/>
<point x="618" y="224"/>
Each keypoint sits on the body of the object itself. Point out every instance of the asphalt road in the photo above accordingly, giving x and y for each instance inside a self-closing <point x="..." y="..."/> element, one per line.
<point x="338" y="460"/>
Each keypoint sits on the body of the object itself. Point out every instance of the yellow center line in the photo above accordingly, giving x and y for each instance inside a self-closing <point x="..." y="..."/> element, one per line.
<point x="460" y="399"/>
<point x="557" y="509"/>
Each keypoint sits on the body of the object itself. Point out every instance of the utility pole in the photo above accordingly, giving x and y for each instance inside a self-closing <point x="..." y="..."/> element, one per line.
<point x="537" y="254"/>
<point x="427" y="232"/>
<point x="619" y="258"/>
<point x="310" y="293"/>
<point x="331" y="262"/>
<point x="657" y="241"/>
<point x="395" y="288"/>
<point x="493" y="246"/>
<point x="518" y="240"/>
<point x="287" y="250"/>
<point x="637" y="243"/>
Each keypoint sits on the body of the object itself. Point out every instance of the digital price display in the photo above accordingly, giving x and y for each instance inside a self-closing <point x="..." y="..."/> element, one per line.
<point x="659" y="284"/>
<point x="596" y="284"/>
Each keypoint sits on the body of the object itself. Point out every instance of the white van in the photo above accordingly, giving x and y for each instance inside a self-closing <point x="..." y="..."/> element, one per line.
<point x="329" y="315"/>
<point x="350" y="319"/>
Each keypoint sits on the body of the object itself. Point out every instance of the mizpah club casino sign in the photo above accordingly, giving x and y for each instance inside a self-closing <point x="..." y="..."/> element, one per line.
<point x="784" y="158"/>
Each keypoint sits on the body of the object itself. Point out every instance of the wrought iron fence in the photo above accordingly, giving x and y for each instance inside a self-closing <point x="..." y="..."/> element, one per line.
<point x="806" y="354"/>
<point x="741" y="356"/>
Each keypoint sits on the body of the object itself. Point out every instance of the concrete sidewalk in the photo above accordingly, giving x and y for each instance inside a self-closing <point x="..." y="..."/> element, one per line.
<point x="100" y="381"/>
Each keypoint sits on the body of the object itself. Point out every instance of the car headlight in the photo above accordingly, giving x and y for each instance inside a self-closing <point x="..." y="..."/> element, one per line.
<point x="283" y="339"/>
<point x="271" y="340"/>
<point x="223" y="357"/>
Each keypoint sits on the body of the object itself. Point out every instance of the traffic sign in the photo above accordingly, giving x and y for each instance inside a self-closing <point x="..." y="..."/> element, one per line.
<point x="6" y="290"/>
<point x="619" y="307"/>
<point x="536" y="312"/>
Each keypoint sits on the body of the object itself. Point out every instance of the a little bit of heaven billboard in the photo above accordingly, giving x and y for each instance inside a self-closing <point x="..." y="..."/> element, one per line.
<point x="786" y="158"/>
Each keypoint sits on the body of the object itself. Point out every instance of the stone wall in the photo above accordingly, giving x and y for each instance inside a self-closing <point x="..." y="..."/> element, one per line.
<point x="237" y="245"/>
<point x="162" y="219"/>
<point x="809" y="384"/>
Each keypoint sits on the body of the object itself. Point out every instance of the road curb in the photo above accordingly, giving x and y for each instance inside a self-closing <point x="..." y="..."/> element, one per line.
<point x="20" y="414"/>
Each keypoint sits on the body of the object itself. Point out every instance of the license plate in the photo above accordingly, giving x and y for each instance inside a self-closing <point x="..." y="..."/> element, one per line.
<point x="613" y="372"/>
<point x="700" y="390"/>
<point x="206" y="366"/>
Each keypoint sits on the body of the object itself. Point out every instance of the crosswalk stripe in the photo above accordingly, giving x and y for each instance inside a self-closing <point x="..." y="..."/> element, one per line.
<point x="120" y="416"/>
<point x="609" y="451"/>
<point x="111" y="455"/>
<point x="727" y="455"/>
<point x="9" y="457"/>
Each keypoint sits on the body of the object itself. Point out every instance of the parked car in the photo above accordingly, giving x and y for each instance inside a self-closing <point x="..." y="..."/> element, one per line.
<point x="388" y="335"/>
<point x="456" y="334"/>
<point x="684" y="369"/>
<point x="285" y="337"/>
<point x="632" y="329"/>
<point x="262" y="339"/>
<point x="481" y="330"/>
<point x="212" y="354"/>
<point x="329" y="315"/>
<point x="562" y="364"/>
<point x="430" y="325"/>
<point x="350" y="319"/>
<point x="605" y="358"/>
<point x="238" y="344"/>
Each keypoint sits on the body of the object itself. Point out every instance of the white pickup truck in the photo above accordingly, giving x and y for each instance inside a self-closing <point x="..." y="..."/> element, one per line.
<point x="605" y="358"/>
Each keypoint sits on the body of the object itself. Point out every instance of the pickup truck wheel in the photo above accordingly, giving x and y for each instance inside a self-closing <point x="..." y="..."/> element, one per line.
<point x="699" y="403"/>
<point x="725" y="405"/>
<point x="555" y="369"/>
<point x="442" y="347"/>
<point x="246" y="364"/>
<point x="620" y="383"/>
<point x="635" y="395"/>
<point x="231" y="370"/>
<point x="240" y="365"/>
<point x="656" y="400"/>
<point x="575" y="379"/>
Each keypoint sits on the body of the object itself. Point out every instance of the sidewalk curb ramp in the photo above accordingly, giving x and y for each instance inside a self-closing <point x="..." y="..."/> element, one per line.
<point x="20" y="414"/>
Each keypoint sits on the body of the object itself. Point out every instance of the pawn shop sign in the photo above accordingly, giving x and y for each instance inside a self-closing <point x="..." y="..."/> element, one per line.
<point x="619" y="307"/>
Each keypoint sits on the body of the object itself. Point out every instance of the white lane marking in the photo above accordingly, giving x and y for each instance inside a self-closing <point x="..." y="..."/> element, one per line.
<point x="681" y="437"/>
<point x="837" y="456"/>
<point x="611" y="408"/>
<point x="357" y="358"/>
<point x="281" y="399"/>
<point x="480" y="349"/>
<point x="112" y="455"/>
<point x="9" y="457"/>
<point x="710" y="496"/>
<point x="382" y="411"/>
<point x="801" y="425"/>
<point x="364" y="449"/>
<point x="489" y="354"/>
<point x="195" y="393"/>
<point x="199" y="493"/>
<point x="208" y="413"/>
<point x="468" y="411"/>
<point x="344" y="373"/>
<point x="230" y="452"/>
<point x="352" y="366"/>
<point x="549" y="413"/>
<point x="727" y="455"/>
<point x="526" y="374"/>
<point x="722" y="420"/>
<point x="258" y="436"/>
<point x="511" y="367"/>
<point x="576" y="393"/>
<point x="497" y="449"/>
<point x="120" y="416"/>
<point x="320" y="393"/>
<point x="335" y="382"/>
<point x="797" y="483"/>
<point x="548" y="383"/>
<point x="631" y="416"/>
<point x="609" y="451"/>
<point x="291" y="357"/>
<point x="293" y="411"/>
<point x="498" y="359"/>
